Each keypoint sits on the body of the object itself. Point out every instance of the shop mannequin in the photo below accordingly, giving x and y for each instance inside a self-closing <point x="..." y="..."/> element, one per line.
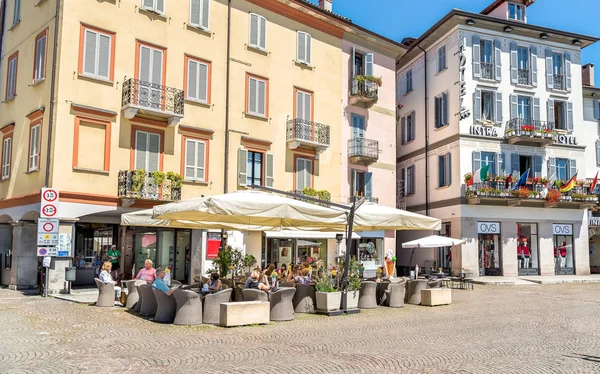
<point x="562" y="252"/>
<point x="526" y="253"/>
<point x="520" y="254"/>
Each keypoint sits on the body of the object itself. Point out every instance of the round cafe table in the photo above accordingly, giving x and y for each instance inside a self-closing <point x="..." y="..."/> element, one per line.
<point x="413" y="291"/>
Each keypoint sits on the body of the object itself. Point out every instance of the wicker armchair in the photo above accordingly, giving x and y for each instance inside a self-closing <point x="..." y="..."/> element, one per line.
<point x="189" y="308"/>
<point x="132" y="293"/>
<point x="367" y="298"/>
<point x="212" y="306"/>
<point x="394" y="295"/>
<point x="166" y="306"/>
<point x="149" y="304"/>
<point x="237" y="292"/>
<point x="434" y="284"/>
<point x="304" y="299"/>
<point x="254" y="295"/>
<point x="413" y="291"/>
<point x="138" y="305"/>
<point x="106" y="293"/>
<point x="288" y="284"/>
<point x="282" y="308"/>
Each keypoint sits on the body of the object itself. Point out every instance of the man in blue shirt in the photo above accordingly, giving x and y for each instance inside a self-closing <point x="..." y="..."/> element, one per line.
<point x="160" y="284"/>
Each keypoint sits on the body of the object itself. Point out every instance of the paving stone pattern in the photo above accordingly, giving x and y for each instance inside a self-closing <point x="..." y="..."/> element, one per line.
<point x="493" y="329"/>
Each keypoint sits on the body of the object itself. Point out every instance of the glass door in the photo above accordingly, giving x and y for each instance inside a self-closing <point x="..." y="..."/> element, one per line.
<point x="166" y="249"/>
<point x="144" y="248"/>
<point x="489" y="254"/>
<point x="183" y="256"/>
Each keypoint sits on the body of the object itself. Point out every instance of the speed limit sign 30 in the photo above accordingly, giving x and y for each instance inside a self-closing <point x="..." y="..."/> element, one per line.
<point x="49" y="203"/>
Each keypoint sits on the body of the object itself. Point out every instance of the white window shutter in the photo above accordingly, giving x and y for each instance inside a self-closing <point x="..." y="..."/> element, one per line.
<point x="190" y="158"/>
<point x="536" y="109"/>
<point x="307" y="107"/>
<point x="203" y="82"/>
<point x="160" y="6"/>
<point x="252" y="95"/>
<point x="205" y="14"/>
<point x="498" y="59"/>
<point x="570" y="119"/>
<point x="549" y="66"/>
<point x="17" y="12"/>
<point x="89" y="58"/>
<point x="299" y="104"/>
<point x="369" y="63"/>
<point x="534" y="70"/>
<point x="157" y="59"/>
<point x="476" y="46"/>
<point x="192" y="84"/>
<point x="514" y="63"/>
<point x="550" y="112"/>
<point x="104" y="56"/>
<point x="242" y="167"/>
<point x="262" y="98"/>
<point x="477" y="105"/>
<point x="144" y="74"/>
<point x="514" y="106"/>
<point x="254" y="21"/>
<point x="308" y="48"/>
<point x="568" y="71"/>
<point x="263" y="33"/>
<point x="148" y="4"/>
<point x="300" y="178"/>
<point x="200" y="161"/>
<point x="40" y="55"/>
<point x="153" y="152"/>
<point x="270" y="171"/>
<point x="301" y="47"/>
<point x="141" y="149"/>
<point x="498" y="107"/>
<point x="195" y="12"/>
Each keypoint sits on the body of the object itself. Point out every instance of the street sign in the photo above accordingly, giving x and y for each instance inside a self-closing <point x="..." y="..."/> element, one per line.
<point x="48" y="231"/>
<point x="49" y="203"/>
<point x="47" y="251"/>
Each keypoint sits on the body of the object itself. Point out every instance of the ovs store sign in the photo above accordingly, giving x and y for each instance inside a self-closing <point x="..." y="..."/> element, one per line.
<point x="488" y="227"/>
<point x="562" y="229"/>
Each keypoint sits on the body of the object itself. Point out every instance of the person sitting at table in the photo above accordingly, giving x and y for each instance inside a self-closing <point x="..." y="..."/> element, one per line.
<point x="160" y="283"/>
<point x="254" y="283"/>
<point x="306" y="278"/>
<point x="214" y="284"/>
<point x="295" y="275"/>
<point x="148" y="273"/>
<point x="106" y="278"/>
<point x="282" y="274"/>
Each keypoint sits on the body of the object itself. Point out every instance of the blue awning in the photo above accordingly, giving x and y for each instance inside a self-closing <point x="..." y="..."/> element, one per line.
<point x="372" y="234"/>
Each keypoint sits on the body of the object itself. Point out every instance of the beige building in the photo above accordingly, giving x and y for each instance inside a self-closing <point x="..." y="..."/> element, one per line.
<point x="124" y="105"/>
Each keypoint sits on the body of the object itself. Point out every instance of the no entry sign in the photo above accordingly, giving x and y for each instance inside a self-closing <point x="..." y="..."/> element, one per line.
<point x="49" y="203"/>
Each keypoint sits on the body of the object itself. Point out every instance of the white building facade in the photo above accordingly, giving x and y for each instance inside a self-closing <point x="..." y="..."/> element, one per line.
<point x="495" y="91"/>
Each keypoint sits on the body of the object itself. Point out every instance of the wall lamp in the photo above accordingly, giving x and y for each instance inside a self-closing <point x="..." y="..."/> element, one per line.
<point x="508" y="29"/>
<point x="544" y="35"/>
<point x="576" y="42"/>
<point x="470" y="22"/>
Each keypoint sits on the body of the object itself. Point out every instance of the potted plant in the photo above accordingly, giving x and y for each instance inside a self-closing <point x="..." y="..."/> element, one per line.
<point x="553" y="196"/>
<point x="248" y="262"/>
<point x="468" y="177"/>
<point x="354" y="276"/>
<point x="328" y="298"/>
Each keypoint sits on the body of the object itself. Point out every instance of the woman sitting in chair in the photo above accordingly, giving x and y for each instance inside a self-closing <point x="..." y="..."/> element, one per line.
<point x="214" y="284"/>
<point x="106" y="278"/>
<point x="254" y="283"/>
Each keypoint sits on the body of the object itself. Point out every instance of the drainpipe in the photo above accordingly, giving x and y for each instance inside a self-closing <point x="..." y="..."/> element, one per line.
<point x="226" y="168"/>
<point x="426" y="136"/>
<point x="2" y="22"/>
<point x="52" y="89"/>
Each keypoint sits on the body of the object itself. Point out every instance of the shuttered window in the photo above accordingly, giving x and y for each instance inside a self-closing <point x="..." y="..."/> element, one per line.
<point x="156" y="6"/>
<point x="195" y="160"/>
<point x="39" y="67"/>
<point x="408" y="82"/>
<point x="34" y="147"/>
<point x="197" y="80"/>
<point x="304" y="45"/>
<point x="257" y="97"/>
<point x="444" y="170"/>
<point x="6" y="157"/>
<point x="409" y="180"/>
<point x="97" y="49"/>
<point x="441" y="59"/>
<point x="303" y="105"/>
<point x="147" y="151"/>
<point x="304" y="171"/>
<point x="11" y="79"/>
<point x="441" y="110"/>
<point x="199" y="12"/>
<point x="254" y="168"/>
<point x="258" y="32"/>
<point x="16" y="12"/>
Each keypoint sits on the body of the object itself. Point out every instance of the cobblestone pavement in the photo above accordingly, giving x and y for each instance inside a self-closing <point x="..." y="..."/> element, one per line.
<point x="493" y="329"/>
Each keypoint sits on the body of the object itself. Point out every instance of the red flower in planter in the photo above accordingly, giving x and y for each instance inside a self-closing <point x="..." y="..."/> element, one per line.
<point x="527" y="128"/>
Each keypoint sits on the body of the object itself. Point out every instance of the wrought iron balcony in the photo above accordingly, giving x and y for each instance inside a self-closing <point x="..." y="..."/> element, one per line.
<point x="137" y="184"/>
<point x="363" y="151"/>
<point x="322" y="195"/>
<point x="529" y="132"/>
<point x="559" y="82"/>
<point x="314" y="135"/>
<point x="523" y="76"/>
<point x="370" y="199"/>
<point x="363" y="92"/>
<point x="152" y="99"/>
<point x="487" y="70"/>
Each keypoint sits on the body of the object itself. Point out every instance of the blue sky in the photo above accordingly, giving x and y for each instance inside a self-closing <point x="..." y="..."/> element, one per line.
<point x="397" y="19"/>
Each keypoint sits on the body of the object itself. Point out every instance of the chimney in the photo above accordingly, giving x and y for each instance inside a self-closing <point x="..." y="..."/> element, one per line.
<point x="588" y="74"/>
<point x="326" y="5"/>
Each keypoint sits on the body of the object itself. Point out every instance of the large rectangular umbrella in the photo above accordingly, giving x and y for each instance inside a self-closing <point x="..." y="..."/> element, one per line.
<point x="432" y="241"/>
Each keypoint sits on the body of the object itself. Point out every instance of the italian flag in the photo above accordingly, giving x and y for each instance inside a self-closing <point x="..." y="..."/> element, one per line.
<point x="480" y="175"/>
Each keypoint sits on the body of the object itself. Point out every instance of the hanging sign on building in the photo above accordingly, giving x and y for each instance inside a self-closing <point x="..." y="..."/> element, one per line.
<point x="462" y="85"/>
<point x="49" y="203"/>
<point x="562" y="229"/>
<point x="47" y="232"/>
<point x="488" y="227"/>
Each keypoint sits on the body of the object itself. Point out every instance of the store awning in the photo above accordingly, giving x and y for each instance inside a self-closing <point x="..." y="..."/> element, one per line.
<point x="291" y="234"/>
<point x="372" y="234"/>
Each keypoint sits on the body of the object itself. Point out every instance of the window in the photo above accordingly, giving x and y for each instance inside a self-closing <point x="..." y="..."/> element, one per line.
<point x="254" y="168"/>
<point x="487" y="59"/>
<point x="39" y="65"/>
<point x="409" y="180"/>
<point x="258" y="32"/>
<point x="558" y="71"/>
<point x="441" y="110"/>
<point x="487" y="105"/>
<point x="97" y="54"/>
<point x="156" y="6"/>
<point x="256" y="102"/>
<point x="523" y="65"/>
<point x="34" y="147"/>
<point x="441" y="58"/>
<point x="409" y="82"/>
<point x="198" y="78"/>
<point x="151" y="75"/>
<point x="562" y="169"/>
<point x="91" y="144"/>
<point x="488" y="158"/>
<point x="6" y="157"/>
<point x="516" y="12"/>
<point x="444" y="170"/>
<point x="303" y="48"/>
<point x="147" y="151"/>
<point x="408" y="128"/>
<point x="362" y="63"/>
<point x="560" y="115"/>
<point x="303" y="105"/>
<point x="17" y="12"/>
<point x="304" y="172"/>
<point x="11" y="77"/>
<point x="195" y="160"/>
<point x="524" y="108"/>
<point x="362" y="184"/>
<point x="199" y="12"/>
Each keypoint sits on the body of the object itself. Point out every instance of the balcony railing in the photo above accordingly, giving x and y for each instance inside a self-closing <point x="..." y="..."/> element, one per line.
<point x="322" y="195"/>
<point x="370" y="199"/>
<point x="365" y="151"/>
<point x="523" y="76"/>
<point x="307" y="133"/>
<point x="559" y="82"/>
<point x="487" y="70"/>
<point x="154" y="99"/>
<point x="362" y="91"/>
<point x="137" y="184"/>
<point x="520" y="130"/>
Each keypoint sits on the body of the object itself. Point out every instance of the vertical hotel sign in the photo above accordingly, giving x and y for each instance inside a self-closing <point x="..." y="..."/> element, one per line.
<point x="462" y="85"/>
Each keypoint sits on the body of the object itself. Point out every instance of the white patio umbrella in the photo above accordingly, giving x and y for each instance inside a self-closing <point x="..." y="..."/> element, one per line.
<point x="375" y="217"/>
<point x="432" y="241"/>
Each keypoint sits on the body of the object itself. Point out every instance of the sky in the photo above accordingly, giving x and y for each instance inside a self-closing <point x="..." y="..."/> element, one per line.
<point x="397" y="19"/>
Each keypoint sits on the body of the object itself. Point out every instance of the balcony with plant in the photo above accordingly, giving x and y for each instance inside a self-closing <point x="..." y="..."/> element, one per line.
<point x="322" y="195"/>
<point x="530" y="132"/>
<point x="364" y="90"/>
<point x="142" y="185"/>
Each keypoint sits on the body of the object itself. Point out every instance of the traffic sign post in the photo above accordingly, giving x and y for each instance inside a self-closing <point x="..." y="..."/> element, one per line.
<point x="48" y="231"/>
<point x="49" y="203"/>
<point x="47" y="251"/>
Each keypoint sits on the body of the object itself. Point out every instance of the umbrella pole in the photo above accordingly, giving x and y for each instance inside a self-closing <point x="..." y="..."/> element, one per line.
<point x="347" y="263"/>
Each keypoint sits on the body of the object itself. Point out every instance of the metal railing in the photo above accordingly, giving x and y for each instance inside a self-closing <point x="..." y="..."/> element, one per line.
<point x="559" y="83"/>
<point x="364" y="88"/>
<point x="370" y="199"/>
<point x="501" y="190"/>
<point x="360" y="147"/>
<point x="309" y="131"/>
<point x="324" y="196"/>
<point x="400" y="198"/>
<point x="487" y="70"/>
<point x="523" y="76"/>
<point x="153" y="96"/>
<point x="134" y="185"/>
<point x="529" y="127"/>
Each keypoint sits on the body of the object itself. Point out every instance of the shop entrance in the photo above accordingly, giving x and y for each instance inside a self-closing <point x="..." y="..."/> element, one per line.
<point x="295" y="251"/>
<point x="490" y="258"/>
<point x="166" y="249"/>
<point x="527" y="249"/>
<point x="444" y="258"/>
<point x="564" y="263"/>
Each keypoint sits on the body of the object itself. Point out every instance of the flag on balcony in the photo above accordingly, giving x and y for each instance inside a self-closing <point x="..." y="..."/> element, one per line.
<point x="569" y="185"/>
<point x="508" y="181"/>
<point x="522" y="180"/>
<point x="593" y="185"/>
<point x="544" y="192"/>
<point x="481" y="174"/>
